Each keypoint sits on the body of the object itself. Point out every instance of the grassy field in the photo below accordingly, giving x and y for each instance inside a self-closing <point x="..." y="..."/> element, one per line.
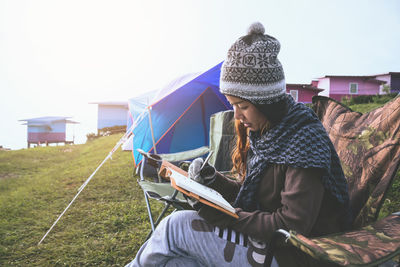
<point x="107" y="223"/>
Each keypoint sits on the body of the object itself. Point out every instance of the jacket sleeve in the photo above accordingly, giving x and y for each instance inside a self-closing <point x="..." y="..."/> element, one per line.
<point x="301" y="200"/>
<point x="227" y="187"/>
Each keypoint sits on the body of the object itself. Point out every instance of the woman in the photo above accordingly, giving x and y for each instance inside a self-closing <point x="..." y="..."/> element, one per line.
<point x="291" y="176"/>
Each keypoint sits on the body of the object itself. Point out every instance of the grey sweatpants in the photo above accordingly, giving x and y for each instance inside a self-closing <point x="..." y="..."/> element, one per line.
<point x="185" y="239"/>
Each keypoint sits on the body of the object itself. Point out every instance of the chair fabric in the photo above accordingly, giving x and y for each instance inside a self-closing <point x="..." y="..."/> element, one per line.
<point x="368" y="246"/>
<point x="161" y="191"/>
<point x="222" y="137"/>
<point x="368" y="146"/>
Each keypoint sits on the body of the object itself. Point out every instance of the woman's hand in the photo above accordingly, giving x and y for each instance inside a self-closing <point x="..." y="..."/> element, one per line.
<point x="205" y="175"/>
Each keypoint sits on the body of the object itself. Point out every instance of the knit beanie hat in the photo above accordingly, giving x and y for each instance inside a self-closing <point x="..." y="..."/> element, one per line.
<point x="252" y="70"/>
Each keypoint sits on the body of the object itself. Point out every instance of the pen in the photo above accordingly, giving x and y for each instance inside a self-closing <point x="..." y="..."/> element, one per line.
<point x="206" y="160"/>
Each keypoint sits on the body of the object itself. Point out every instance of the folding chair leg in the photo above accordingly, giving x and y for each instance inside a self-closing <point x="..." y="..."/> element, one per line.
<point x="158" y="220"/>
<point x="161" y="216"/>
<point x="149" y="211"/>
<point x="272" y="245"/>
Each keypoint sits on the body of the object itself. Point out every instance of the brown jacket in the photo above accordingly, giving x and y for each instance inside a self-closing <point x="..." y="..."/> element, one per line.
<point x="289" y="198"/>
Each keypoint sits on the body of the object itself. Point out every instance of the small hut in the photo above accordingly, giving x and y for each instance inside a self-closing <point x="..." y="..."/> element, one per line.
<point x="47" y="130"/>
<point x="111" y="114"/>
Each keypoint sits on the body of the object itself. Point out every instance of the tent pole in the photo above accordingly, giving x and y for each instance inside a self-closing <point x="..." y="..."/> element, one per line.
<point x="152" y="131"/>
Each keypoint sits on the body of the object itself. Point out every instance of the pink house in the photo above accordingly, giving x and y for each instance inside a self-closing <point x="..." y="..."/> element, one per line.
<point x="338" y="86"/>
<point x="302" y="92"/>
<point x="47" y="130"/>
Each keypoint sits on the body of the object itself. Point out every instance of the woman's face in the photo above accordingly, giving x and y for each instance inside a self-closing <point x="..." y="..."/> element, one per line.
<point x="247" y="113"/>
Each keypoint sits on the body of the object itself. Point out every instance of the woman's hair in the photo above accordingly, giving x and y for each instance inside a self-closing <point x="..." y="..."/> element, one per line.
<point x="239" y="153"/>
<point x="274" y="113"/>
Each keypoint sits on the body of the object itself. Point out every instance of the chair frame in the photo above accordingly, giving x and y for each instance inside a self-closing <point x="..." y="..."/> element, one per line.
<point x="172" y="200"/>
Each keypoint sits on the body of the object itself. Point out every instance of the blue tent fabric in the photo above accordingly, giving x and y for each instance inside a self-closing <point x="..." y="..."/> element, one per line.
<point x="137" y="106"/>
<point x="181" y="118"/>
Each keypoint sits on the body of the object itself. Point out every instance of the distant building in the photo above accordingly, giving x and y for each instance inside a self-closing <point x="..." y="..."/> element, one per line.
<point x="392" y="80"/>
<point x="47" y="130"/>
<point x="111" y="113"/>
<point x="338" y="86"/>
<point x="302" y="92"/>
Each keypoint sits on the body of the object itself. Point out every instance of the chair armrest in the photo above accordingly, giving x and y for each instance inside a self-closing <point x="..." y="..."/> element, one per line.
<point x="185" y="155"/>
<point x="155" y="160"/>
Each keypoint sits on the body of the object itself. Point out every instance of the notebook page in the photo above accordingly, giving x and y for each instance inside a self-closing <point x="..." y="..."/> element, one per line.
<point x="201" y="190"/>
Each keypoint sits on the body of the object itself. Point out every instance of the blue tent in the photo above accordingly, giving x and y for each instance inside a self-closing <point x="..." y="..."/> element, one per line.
<point x="180" y="115"/>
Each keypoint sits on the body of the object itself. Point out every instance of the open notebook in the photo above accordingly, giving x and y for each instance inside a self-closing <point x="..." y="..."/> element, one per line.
<point x="204" y="194"/>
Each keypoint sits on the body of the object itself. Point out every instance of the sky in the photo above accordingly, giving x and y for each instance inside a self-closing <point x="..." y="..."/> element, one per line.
<point x="57" y="56"/>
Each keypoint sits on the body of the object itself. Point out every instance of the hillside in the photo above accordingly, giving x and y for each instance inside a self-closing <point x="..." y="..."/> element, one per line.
<point x="107" y="223"/>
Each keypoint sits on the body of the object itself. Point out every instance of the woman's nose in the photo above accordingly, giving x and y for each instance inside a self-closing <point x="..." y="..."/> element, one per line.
<point x="237" y="115"/>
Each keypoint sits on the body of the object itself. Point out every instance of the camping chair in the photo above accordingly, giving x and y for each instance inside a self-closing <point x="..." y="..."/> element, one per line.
<point x="221" y="136"/>
<point x="160" y="190"/>
<point x="368" y="146"/>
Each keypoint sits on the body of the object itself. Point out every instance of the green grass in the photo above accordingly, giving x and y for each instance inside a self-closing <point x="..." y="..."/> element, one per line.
<point x="363" y="108"/>
<point x="106" y="224"/>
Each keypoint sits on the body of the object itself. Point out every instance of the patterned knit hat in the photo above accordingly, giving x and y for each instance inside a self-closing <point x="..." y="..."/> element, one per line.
<point x="252" y="70"/>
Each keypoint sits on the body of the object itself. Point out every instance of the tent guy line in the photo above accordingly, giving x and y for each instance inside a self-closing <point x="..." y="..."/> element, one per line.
<point x="119" y="143"/>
